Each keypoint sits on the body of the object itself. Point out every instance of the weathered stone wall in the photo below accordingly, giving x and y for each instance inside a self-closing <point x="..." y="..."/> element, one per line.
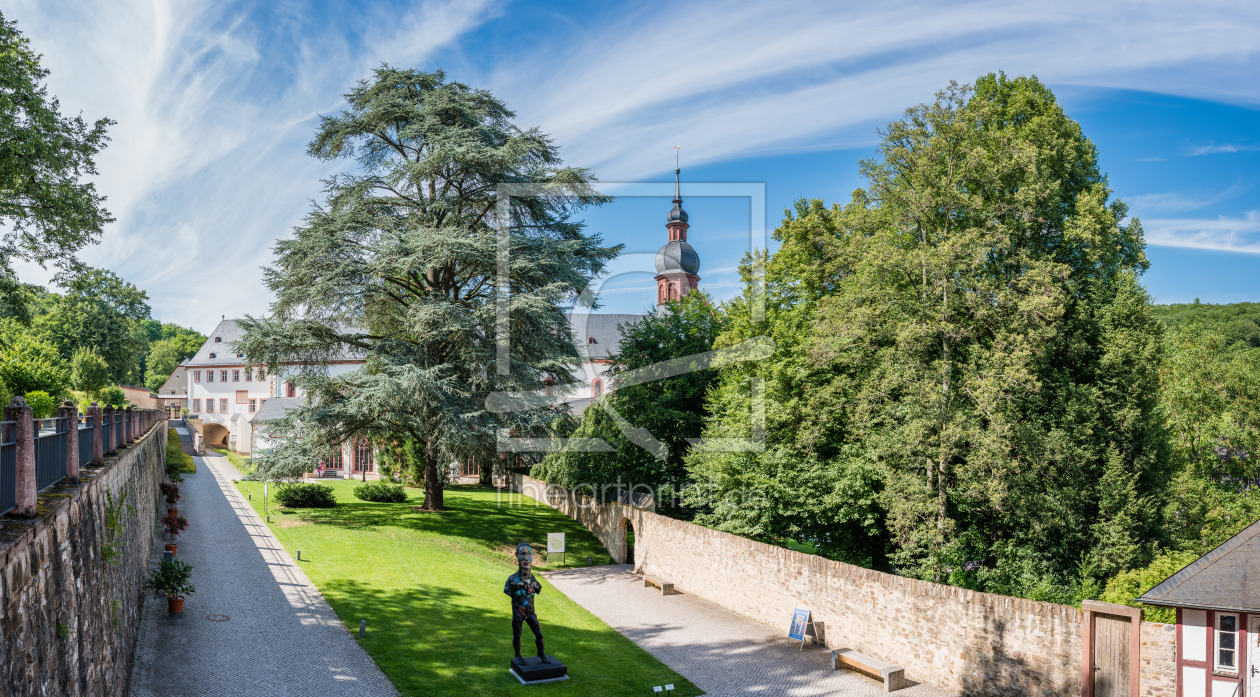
<point x="971" y="642"/>
<point x="1159" y="660"/>
<point x="606" y="521"/>
<point x="69" y="617"/>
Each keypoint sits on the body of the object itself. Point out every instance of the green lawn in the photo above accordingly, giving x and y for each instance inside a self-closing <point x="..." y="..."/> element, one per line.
<point x="430" y="586"/>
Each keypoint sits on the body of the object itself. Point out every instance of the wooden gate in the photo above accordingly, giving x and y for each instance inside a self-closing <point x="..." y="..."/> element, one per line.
<point x="1111" y="637"/>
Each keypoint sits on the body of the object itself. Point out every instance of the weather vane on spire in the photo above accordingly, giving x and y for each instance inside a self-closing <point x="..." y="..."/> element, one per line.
<point x="677" y="194"/>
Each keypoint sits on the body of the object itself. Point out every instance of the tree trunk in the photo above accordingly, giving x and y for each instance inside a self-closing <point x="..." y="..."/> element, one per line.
<point x="486" y="472"/>
<point x="432" y="481"/>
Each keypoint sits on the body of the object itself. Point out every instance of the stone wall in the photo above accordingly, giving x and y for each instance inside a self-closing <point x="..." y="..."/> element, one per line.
<point x="69" y="617"/>
<point x="1159" y="660"/>
<point x="970" y="642"/>
<point x="607" y="521"/>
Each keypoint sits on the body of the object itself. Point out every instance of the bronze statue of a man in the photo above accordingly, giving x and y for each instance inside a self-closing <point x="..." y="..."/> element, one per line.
<point x="522" y="587"/>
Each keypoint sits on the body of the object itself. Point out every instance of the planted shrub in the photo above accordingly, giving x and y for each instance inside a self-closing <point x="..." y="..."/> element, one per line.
<point x="380" y="492"/>
<point x="306" y="496"/>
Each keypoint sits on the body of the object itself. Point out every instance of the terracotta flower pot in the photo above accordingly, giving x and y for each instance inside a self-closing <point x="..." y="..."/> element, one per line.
<point x="174" y="512"/>
<point x="171" y="546"/>
<point x="175" y="604"/>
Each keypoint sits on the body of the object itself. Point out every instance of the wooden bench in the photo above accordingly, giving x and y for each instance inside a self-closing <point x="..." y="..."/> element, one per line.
<point x="894" y="676"/>
<point x="667" y="588"/>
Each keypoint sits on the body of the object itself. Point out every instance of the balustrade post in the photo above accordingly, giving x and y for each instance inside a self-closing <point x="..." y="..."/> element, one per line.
<point x="98" y="447"/>
<point x="111" y="446"/>
<point x="24" y="485"/>
<point x="69" y="414"/>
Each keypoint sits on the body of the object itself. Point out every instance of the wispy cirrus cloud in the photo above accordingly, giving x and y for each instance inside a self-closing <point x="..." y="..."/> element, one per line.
<point x="1179" y="201"/>
<point x="216" y="100"/>
<point x="745" y="78"/>
<point x="214" y="103"/>
<point x="1221" y="149"/>
<point x="1222" y="234"/>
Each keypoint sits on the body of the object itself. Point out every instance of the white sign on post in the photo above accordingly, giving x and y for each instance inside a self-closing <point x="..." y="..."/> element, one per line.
<point x="555" y="545"/>
<point x="555" y="542"/>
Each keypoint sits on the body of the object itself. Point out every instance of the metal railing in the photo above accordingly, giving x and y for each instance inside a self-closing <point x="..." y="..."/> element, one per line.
<point x="60" y="447"/>
<point x="87" y="429"/>
<point x="50" y="452"/>
<point x="8" y="466"/>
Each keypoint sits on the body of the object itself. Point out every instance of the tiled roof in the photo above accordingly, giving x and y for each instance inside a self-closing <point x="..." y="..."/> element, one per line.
<point x="176" y="385"/>
<point x="227" y="333"/>
<point x="604" y="328"/>
<point x="1227" y="578"/>
<point x="276" y="407"/>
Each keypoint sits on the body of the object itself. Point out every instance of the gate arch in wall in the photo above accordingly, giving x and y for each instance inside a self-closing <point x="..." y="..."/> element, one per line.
<point x="215" y="435"/>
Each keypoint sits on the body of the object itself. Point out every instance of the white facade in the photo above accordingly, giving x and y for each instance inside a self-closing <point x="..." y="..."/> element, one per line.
<point x="225" y="392"/>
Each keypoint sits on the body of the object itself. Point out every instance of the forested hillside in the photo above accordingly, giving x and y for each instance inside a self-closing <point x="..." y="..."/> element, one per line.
<point x="96" y="333"/>
<point x="970" y="384"/>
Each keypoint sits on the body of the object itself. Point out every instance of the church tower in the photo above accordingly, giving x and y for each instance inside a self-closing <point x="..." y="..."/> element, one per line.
<point x="676" y="262"/>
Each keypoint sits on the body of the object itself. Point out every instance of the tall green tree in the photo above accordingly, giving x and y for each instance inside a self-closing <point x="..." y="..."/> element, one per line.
<point x="88" y="372"/>
<point x="47" y="209"/>
<point x="31" y="365"/>
<point x="667" y="408"/>
<point x="977" y="336"/>
<point x="102" y="313"/>
<point x="175" y="345"/>
<point x="399" y="263"/>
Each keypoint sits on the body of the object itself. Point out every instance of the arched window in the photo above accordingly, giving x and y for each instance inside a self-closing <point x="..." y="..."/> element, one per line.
<point x="597" y="388"/>
<point x="363" y="455"/>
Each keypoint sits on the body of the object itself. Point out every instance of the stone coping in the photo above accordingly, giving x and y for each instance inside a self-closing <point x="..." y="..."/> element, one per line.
<point x="16" y="534"/>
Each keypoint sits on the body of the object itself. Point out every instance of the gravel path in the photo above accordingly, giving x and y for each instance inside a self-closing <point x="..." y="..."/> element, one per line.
<point x="281" y="637"/>
<point x="723" y="653"/>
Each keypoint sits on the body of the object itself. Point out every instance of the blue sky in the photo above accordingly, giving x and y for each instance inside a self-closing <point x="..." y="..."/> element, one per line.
<point x="215" y="101"/>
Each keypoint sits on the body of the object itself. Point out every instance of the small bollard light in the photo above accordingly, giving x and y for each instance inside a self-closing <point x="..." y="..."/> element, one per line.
<point x="168" y="555"/>
<point x="299" y="555"/>
<point x="589" y="561"/>
<point x="251" y="497"/>
<point x="268" y="519"/>
<point x="362" y="628"/>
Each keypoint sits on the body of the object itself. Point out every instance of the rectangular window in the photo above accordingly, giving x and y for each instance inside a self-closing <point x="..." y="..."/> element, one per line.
<point x="222" y="376"/>
<point x="236" y="376"/>
<point x="242" y="396"/>
<point x="209" y="376"/>
<point x="262" y="373"/>
<point x="196" y="405"/>
<point x="209" y="406"/>
<point x="223" y="405"/>
<point x="253" y="406"/>
<point x="249" y="375"/>
<point x="1227" y="642"/>
<point x="196" y="376"/>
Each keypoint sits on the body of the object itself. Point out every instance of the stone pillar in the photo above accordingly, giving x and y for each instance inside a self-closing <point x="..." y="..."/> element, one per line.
<point x="110" y="446"/>
<point x="69" y="412"/>
<point x="25" y="490"/>
<point x="98" y="447"/>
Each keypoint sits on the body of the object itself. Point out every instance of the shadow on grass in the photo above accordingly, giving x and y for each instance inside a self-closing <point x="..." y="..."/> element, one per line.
<point x="495" y="522"/>
<point x="434" y="641"/>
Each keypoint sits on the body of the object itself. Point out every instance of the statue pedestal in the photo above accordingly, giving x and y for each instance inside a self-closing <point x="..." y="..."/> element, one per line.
<point x="530" y="670"/>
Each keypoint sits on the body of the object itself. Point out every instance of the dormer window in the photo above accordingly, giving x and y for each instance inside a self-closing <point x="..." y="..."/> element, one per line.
<point x="240" y="355"/>
<point x="212" y="355"/>
<point x="217" y="339"/>
<point x="590" y="339"/>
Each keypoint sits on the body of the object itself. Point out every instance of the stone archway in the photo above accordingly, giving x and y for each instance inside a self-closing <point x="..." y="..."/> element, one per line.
<point x="215" y="435"/>
<point x="624" y="552"/>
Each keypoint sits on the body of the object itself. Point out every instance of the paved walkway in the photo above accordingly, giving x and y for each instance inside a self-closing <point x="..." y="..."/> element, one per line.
<point x="723" y="653"/>
<point x="282" y="638"/>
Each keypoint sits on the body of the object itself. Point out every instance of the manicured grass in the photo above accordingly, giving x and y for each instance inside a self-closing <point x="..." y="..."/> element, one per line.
<point x="175" y="454"/>
<point x="430" y="586"/>
<point x="243" y="464"/>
